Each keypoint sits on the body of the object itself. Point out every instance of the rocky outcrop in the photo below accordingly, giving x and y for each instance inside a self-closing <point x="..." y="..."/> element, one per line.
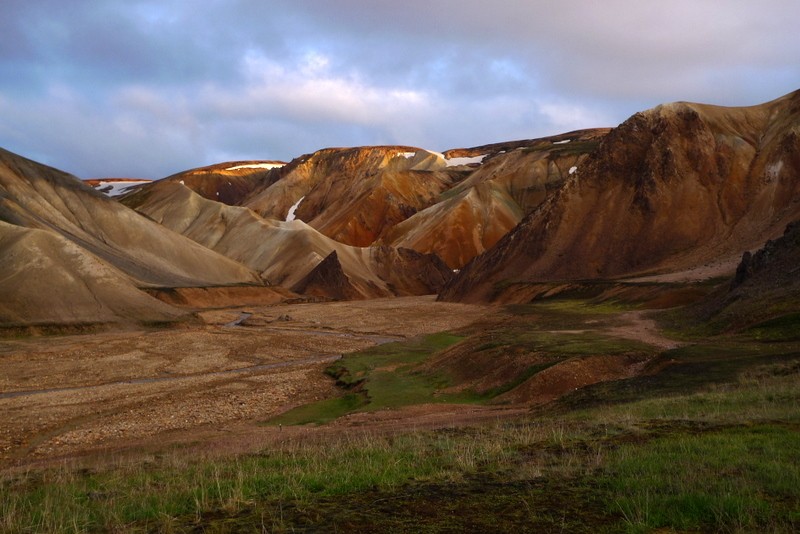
<point x="671" y="188"/>
<point x="766" y="286"/>
<point x="408" y="272"/>
<point x="328" y="280"/>
<point x="778" y="260"/>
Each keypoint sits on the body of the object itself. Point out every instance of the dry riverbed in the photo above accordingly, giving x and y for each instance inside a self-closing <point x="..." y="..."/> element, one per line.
<point x="64" y="396"/>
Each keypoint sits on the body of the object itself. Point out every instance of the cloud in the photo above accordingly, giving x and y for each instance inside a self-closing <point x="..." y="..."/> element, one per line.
<point x="146" y="87"/>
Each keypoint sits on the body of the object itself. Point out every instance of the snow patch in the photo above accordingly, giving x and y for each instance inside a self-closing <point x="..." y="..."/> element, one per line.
<point x="565" y="141"/>
<point x="465" y="161"/>
<point x="290" y="215"/>
<point x="408" y="155"/>
<point x="118" y="187"/>
<point x="573" y="169"/>
<point x="774" y="170"/>
<point x="256" y="166"/>
<point x="182" y="182"/>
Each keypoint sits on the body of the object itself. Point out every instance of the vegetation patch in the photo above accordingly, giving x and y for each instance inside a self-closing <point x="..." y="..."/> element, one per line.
<point x="381" y="377"/>
<point x="321" y="412"/>
<point x="784" y="328"/>
<point x="737" y="480"/>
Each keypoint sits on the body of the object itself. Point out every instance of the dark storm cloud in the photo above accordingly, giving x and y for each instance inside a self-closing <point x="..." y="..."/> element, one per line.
<point x="148" y="88"/>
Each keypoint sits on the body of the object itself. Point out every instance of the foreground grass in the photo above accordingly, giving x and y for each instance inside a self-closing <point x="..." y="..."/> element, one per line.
<point x="734" y="479"/>
<point x="725" y="459"/>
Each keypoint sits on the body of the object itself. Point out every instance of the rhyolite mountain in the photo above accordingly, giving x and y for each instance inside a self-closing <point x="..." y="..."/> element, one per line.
<point x="230" y="182"/>
<point x="285" y="252"/>
<point x="511" y="180"/>
<point x="671" y="189"/>
<point x="69" y="254"/>
<point x="352" y="195"/>
<point x="455" y="204"/>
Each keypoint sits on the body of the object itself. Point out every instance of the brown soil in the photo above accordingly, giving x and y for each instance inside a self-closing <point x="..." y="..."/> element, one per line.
<point x="637" y="326"/>
<point x="210" y="385"/>
<point x="207" y="389"/>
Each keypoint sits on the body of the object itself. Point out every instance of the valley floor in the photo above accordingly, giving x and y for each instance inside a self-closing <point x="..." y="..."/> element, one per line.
<point x="64" y="396"/>
<point x="405" y="415"/>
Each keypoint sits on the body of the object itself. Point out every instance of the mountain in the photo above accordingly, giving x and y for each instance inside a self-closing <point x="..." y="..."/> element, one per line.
<point x="454" y="204"/>
<point x="507" y="182"/>
<point x="285" y="252"/>
<point x="230" y="182"/>
<point x="115" y="187"/>
<point x="46" y="279"/>
<point x="72" y="255"/>
<point x="352" y="195"/>
<point x="670" y="189"/>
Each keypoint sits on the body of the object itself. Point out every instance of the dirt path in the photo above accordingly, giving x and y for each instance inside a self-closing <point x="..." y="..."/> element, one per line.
<point x="638" y="327"/>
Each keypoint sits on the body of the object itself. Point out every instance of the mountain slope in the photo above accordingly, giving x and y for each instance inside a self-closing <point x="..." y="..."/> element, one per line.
<point x="283" y="252"/>
<point x="46" y="279"/>
<point x="69" y="255"/>
<point x="230" y="182"/>
<point x="511" y="180"/>
<point x="352" y="195"/>
<point x="671" y="188"/>
<point x="40" y="197"/>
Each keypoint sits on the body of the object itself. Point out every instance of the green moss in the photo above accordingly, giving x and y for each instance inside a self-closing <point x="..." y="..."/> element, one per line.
<point x="321" y="411"/>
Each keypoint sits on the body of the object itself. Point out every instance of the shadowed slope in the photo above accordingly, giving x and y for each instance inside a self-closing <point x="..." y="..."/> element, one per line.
<point x="46" y="279"/>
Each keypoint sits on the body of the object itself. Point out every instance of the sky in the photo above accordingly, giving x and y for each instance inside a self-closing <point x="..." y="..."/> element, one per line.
<point x="147" y="88"/>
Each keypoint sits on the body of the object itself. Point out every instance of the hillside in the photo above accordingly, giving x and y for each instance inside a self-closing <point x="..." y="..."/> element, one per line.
<point x="507" y="182"/>
<point x="72" y="255"/>
<point x="353" y="195"/>
<point x="230" y="182"/>
<point x="284" y="252"/>
<point x="672" y="188"/>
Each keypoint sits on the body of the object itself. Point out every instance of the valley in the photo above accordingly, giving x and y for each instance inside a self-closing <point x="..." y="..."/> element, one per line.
<point x="592" y="331"/>
<point x="63" y="396"/>
<point x="392" y="414"/>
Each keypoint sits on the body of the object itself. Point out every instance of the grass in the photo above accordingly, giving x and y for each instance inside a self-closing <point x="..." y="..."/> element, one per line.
<point x="381" y="377"/>
<point x="737" y="480"/>
<point x="697" y="461"/>
<point x="720" y="459"/>
<point x="321" y="412"/>
<point x="393" y="375"/>
<point x="783" y="328"/>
